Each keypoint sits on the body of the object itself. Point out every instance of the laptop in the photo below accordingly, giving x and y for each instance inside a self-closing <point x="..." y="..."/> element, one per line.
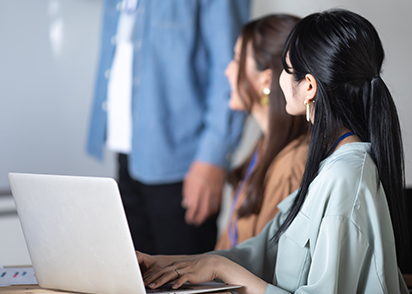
<point x="78" y="238"/>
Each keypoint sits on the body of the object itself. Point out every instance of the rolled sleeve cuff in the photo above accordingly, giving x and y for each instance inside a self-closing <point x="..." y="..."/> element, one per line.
<point x="214" y="151"/>
<point x="271" y="289"/>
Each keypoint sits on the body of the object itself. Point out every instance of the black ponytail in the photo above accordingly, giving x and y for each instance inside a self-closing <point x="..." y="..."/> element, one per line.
<point x="387" y="152"/>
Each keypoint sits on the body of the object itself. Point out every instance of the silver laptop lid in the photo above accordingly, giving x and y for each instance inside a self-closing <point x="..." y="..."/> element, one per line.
<point x="78" y="237"/>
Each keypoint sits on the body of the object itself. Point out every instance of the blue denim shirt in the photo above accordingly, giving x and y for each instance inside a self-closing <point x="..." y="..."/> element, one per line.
<point x="180" y="95"/>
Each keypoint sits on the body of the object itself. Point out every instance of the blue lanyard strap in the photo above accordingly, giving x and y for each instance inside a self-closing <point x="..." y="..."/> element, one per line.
<point x="338" y="141"/>
<point x="233" y="229"/>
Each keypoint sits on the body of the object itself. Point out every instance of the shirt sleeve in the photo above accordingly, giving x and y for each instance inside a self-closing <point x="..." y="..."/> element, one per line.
<point x="220" y="24"/>
<point x="258" y="254"/>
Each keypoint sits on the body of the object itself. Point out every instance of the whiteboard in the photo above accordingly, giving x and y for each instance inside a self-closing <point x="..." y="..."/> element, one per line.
<point x="48" y="60"/>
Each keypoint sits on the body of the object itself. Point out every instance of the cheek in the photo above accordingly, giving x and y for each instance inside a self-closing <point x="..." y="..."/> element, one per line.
<point x="282" y="81"/>
<point x="232" y="73"/>
<point x="286" y="86"/>
<point x="293" y="103"/>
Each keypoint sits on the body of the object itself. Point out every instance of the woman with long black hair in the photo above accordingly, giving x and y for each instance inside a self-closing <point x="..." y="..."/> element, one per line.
<point x="342" y="230"/>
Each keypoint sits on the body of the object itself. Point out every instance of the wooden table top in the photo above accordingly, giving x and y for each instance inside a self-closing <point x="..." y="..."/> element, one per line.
<point x="29" y="289"/>
<point x="35" y="289"/>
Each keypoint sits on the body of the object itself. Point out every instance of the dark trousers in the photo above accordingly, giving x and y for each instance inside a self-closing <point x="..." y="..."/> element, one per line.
<point x="156" y="217"/>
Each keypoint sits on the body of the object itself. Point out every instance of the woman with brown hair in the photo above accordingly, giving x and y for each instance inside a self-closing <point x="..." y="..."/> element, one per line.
<point x="275" y="168"/>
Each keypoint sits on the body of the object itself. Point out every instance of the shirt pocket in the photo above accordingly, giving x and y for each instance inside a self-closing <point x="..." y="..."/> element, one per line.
<point x="293" y="259"/>
<point x="167" y="14"/>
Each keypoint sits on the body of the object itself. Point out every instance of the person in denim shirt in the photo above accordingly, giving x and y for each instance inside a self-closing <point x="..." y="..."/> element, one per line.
<point x="164" y="62"/>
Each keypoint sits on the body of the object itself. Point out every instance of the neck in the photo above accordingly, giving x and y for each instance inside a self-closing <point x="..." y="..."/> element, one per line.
<point x="261" y="115"/>
<point x="350" y="139"/>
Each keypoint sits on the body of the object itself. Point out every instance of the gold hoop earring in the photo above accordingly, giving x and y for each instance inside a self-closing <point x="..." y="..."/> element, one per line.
<point x="265" y="98"/>
<point x="307" y="110"/>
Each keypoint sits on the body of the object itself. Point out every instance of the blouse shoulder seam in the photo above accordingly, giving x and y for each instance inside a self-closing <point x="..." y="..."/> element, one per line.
<point x="359" y="184"/>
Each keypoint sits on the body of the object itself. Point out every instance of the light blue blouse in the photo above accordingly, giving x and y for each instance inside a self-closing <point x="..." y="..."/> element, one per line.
<point x="340" y="242"/>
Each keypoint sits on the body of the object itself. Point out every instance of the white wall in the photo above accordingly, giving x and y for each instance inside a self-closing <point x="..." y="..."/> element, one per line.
<point x="48" y="56"/>
<point x="47" y="64"/>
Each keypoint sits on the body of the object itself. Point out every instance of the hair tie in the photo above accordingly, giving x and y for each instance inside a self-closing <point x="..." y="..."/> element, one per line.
<point x="375" y="78"/>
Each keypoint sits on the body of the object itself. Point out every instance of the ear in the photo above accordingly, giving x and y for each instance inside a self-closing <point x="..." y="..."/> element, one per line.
<point x="311" y="88"/>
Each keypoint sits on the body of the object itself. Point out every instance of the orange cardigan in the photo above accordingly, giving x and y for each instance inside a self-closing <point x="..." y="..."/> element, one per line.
<point x="283" y="177"/>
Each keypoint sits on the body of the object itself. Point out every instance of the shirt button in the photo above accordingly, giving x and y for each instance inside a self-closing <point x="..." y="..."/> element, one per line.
<point x="107" y="73"/>
<point x="138" y="45"/>
<point x="104" y="106"/>
<point x="357" y="204"/>
<point x="228" y="156"/>
<point x="136" y="82"/>
<point x="113" y="40"/>
<point x="140" y="10"/>
<point x="119" y="6"/>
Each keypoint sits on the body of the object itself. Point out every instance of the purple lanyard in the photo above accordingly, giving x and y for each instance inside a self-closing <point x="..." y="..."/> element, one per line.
<point x="233" y="229"/>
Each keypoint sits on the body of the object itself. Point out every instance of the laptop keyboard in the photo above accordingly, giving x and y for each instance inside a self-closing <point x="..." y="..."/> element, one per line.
<point x="168" y="288"/>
